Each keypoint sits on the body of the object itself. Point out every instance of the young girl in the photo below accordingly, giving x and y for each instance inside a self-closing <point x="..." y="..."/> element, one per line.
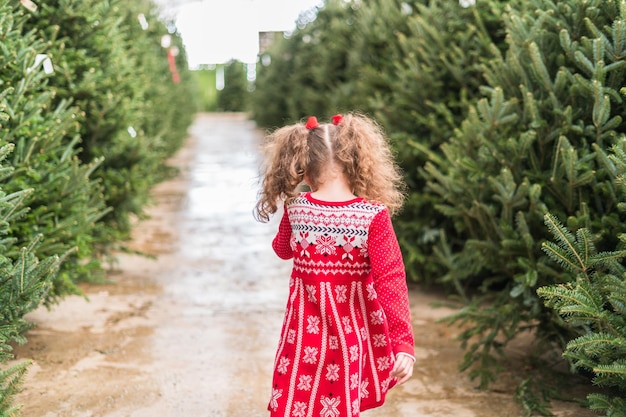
<point x="346" y="337"/>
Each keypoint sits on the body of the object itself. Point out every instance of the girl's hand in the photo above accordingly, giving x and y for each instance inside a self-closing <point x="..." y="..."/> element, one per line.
<point x="403" y="368"/>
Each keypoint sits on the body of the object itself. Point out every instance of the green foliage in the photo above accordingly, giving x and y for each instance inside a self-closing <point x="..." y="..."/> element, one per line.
<point x="10" y="382"/>
<point x="268" y="105"/>
<point x="63" y="202"/>
<point x="533" y="397"/>
<point x="429" y="84"/>
<point x="594" y="304"/>
<point x="24" y="282"/>
<point x="132" y="116"/>
<point x="80" y="146"/>
<point x="535" y="144"/>
<point x="307" y="74"/>
<point x="234" y="96"/>
<point x="207" y="91"/>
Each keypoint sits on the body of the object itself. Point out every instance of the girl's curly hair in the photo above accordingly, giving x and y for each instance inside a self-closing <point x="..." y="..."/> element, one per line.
<point x="357" y="145"/>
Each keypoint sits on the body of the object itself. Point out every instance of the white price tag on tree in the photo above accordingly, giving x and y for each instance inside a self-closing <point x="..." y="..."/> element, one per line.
<point x="29" y="4"/>
<point x="45" y="61"/>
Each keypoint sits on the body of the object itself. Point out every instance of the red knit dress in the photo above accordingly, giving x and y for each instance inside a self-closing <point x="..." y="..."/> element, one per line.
<point x="347" y="314"/>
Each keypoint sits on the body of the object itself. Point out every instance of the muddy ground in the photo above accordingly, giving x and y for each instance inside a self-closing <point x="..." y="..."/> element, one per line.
<point x="192" y="332"/>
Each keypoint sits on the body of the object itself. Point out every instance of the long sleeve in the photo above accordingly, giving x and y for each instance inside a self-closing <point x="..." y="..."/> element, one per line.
<point x="390" y="282"/>
<point x="281" y="242"/>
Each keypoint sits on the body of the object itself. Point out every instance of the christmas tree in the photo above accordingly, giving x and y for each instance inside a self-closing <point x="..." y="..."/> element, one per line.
<point x="594" y="300"/>
<point x="233" y="96"/>
<point x="75" y="93"/>
<point x="537" y="143"/>
<point x="133" y="114"/>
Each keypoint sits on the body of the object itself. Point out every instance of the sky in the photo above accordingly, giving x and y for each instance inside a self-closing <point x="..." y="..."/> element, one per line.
<point x="216" y="31"/>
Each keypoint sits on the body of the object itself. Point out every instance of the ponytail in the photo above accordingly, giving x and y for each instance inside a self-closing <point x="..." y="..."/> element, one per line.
<point x="364" y="152"/>
<point x="286" y="151"/>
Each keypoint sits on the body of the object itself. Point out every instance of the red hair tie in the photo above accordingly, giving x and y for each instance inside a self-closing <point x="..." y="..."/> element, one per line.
<point x="311" y="123"/>
<point x="337" y="119"/>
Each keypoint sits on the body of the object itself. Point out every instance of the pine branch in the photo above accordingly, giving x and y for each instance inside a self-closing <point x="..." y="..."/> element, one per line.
<point x="613" y="374"/>
<point x="561" y="257"/>
<point x="567" y="254"/>
<point x="10" y="384"/>
<point x="592" y="343"/>
<point x="610" y="406"/>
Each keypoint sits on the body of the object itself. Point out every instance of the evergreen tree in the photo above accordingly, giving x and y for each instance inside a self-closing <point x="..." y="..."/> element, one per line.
<point x="536" y="143"/>
<point x="51" y="204"/>
<point x="268" y="101"/>
<point x="373" y="53"/>
<point x="24" y="283"/>
<point x="307" y="74"/>
<point x="48" y="202"/>
<point x="234" y="96"/>
<point x="595" y="300"/>
<point x="168" y="107"/>
<point x="10" y="382"/>
<point x="103" y="64"/>
<point x="65" y="202"/>
<point x="420" y="80"/>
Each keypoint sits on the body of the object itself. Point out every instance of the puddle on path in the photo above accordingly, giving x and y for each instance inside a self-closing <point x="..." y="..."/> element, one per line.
<point x="193" y="333"/>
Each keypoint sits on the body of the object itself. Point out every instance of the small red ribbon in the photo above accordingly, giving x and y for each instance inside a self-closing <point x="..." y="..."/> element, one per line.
<point x="311" y="123"/>
<point x="337" y="119"/>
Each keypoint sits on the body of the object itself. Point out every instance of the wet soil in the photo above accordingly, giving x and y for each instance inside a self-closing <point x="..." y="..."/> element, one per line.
<point x="192" y="332"/>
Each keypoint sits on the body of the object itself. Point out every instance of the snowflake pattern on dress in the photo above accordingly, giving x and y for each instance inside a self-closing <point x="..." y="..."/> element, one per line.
<point x="377" y="317"/>
<point x="347" y="327"/>
<point x="385" y="384"/>
<point x="371" y="292"/>
<point x="299" y="409"/>
<point x="313" y="324"/>
<point x="310" y="355"/>
<point x="325" y="245"/>
<point x="355" y="407"/>
<point x="364" y="249"/>
<point x="276" y="394"/>
<point x="383" y="363"/>
<point x="364" y="392"/>
<point x="330" y="406"/>
<point x="379" y="340"/>
<point x="354" y="381"/>
<point x="310" y="289"/>
<point x="341" y="293"/>
<point x="304" y="244"/>
<point x="305" y="382"/>
<point x="348" y="247"/>
<point x="332" y="372"/>
<point x="283" y="365"/>
<point x="354" y="353"/>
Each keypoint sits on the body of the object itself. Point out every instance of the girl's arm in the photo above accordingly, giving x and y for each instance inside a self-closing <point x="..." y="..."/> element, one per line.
<point x="390" y="282"/>
<point x="281" y="244"/>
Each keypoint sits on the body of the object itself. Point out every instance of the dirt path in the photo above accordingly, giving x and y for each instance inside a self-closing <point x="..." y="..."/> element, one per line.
<point x="192" y="333"/>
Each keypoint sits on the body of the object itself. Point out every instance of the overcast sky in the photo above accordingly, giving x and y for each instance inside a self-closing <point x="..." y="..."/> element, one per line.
<point x="215" y="31"/>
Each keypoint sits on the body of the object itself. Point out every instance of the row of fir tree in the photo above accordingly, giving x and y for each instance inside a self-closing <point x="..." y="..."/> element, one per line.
<point x="507" y="119"/>
<point x="92" y="102"/>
